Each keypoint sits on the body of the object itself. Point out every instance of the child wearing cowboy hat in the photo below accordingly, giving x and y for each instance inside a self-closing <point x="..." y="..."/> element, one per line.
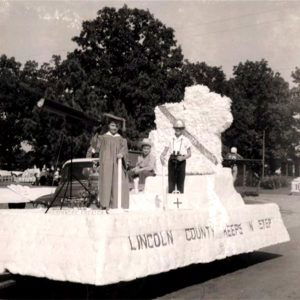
<point x="145" y="166"/>
<point x="179" y="148"/>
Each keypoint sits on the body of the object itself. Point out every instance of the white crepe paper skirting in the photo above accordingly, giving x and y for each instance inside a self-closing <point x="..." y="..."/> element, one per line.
<point x="90" y="246"/>
<point x="15" y="193"/>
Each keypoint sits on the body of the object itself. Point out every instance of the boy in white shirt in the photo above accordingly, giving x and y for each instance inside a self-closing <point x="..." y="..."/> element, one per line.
<point x="145" y="166"/>
<point x="179" y="148"/>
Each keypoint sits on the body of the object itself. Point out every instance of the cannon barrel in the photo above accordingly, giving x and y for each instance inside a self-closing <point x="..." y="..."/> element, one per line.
<point x="69" y="113"/>
<point x="74" y="115"/>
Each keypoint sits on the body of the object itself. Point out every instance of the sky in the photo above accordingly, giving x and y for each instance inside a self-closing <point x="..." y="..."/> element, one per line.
<point x="220" y="33"/>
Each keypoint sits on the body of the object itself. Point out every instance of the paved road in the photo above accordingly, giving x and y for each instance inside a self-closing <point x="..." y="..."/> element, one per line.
<point x="272" y="273"/>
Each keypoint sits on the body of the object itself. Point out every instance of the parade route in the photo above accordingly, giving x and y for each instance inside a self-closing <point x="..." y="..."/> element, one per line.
<point x="272" y="273"/>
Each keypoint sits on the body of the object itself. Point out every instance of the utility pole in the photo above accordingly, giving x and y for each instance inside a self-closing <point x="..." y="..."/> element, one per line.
<point x="263" y="154"/>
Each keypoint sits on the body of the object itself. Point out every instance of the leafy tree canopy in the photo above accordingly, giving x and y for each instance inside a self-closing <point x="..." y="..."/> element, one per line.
<point x="126" y="63"/>
<point x="201" y="73"/>
<point x="20" y="88"/>
<point x="261" y="102"/>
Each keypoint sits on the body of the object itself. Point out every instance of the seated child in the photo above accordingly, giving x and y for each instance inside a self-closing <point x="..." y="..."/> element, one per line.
<point x="144" y="167"/>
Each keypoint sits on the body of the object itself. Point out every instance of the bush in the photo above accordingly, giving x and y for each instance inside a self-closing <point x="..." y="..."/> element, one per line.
<point x="274" y="182"/>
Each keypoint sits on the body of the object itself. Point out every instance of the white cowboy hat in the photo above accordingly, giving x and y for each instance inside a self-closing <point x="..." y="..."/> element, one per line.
<point x="179" y="124"/>
<point x="146" y="142"/>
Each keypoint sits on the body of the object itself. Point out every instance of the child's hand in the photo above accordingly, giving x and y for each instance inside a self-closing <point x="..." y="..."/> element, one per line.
<point x="180" y="158"/>
<point x="119" y="155"/>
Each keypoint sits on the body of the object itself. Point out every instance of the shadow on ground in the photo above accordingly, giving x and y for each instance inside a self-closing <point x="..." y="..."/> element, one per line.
<point x="149" y="287"/>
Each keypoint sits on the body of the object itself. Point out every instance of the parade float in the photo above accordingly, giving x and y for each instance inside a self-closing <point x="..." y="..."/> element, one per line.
<point x="159" y="231"/>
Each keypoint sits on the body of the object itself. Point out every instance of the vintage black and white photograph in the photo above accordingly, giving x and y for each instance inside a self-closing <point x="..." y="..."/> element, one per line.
<point x="149" y="149"/>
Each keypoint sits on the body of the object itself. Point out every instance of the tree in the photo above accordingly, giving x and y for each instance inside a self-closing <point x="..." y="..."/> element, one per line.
<point x="201" y="73"/>
<point x="9" y="138"/>
<point x="51" y="135"/>
<point x="21" y="122"/>
<point x="296" y="76"/>
<point x="295" y="91"/>
<point x="295" y="98"/>
<point x="261" y="102"/>
<point x="126" y="63"/>
<point x="19" y="91"/>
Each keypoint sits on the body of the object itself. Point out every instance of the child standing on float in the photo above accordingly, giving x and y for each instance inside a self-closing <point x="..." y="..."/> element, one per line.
<point x="179" y="148"/>
<point x="111" y="147"/>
